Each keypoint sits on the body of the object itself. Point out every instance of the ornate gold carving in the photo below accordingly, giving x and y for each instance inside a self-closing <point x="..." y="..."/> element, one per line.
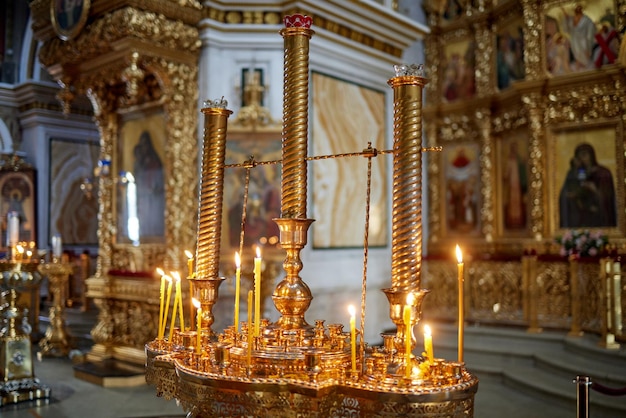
<point x="537" y="148"/>
<point x="101" y="36"/>
<point x="588" y="100"/>
<point x="484" y="61"/>
<point x="331" y="25"/>
<point x="534" y="60"/>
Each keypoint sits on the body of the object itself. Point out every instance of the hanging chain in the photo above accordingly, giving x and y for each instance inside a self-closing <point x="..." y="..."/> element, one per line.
<point x="369" y="153"/>
<point x="248" y="165"/>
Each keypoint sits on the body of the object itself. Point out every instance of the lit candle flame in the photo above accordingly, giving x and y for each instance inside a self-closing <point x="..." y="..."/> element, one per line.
<point x="176" y="275"/>
<point x="160" y="271"/>
<point x="189" y="254"/>
<point x="459" y="255"/>
<point x="351" y="310"/>
<point x="196" y="303"/>
<point x="258" y="252"/>
<point x="20" y="249"/>
<point x="168" y="278"/>
<point x="409" y="299"/>
<point x="238" y="259"/>
<point x="427" y="331"/>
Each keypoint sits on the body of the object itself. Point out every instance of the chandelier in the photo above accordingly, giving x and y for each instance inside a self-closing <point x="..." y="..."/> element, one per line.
<point x="289" y="367"/>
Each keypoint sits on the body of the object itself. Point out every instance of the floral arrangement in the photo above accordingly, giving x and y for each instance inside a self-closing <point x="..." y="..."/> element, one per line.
<point x="582" y="243"/>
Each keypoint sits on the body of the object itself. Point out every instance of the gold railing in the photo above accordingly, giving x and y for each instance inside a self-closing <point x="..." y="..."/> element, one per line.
<point x="534" y="291"/>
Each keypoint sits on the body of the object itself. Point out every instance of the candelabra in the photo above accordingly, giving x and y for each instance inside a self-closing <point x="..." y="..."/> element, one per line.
<point x="16" y="356"/>
<point x="290" y="367"/>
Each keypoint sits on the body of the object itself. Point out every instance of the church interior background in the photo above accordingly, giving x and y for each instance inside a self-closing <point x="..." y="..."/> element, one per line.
<point x="101" y="134"/>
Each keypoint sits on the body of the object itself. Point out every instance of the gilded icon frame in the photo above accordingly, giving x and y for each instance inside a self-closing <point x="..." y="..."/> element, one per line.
<point x="607" y="140"/>
<point x="18" y="192"/>
<point x="69" y="24"/>
<point x="136" y="129"/>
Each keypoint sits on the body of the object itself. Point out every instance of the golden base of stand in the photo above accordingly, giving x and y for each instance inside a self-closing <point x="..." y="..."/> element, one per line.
<point x="22" y="390"/>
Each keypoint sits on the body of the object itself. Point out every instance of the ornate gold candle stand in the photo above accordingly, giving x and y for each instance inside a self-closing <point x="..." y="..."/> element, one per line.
<point x="56" y="342"/>
<point x="291" y="368"/>
<point x="16" y="355"/>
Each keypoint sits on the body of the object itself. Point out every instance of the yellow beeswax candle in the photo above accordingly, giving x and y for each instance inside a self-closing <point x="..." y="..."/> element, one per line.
<point x="175" y="308"/>
<point x="168" y="299"/>
<point x="352" y="312"/>
<point x="459" y="257"/>
<point x="189" y="263"/>
<point x="257" y="292"/>
<point x="179" y="292"/>
<point x="250" y="330"/>
<point x="407" y="334"/>
<point x="197" y="305"/>
<point x="161" y="301"/>
<point x="428" y="343"/>
<point x="237" y="288"/>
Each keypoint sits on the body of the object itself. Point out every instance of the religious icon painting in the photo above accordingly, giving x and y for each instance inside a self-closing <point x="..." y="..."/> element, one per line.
<point x="580" y="37"/>
<point x="586" y="190"/>
<point x="18" y="194"/>
<point x="258" y="187"/>
<point x="510" y="53"/>
<point x="141" y="191"/>
<point x="462" y="188"/>
<point x="459" y="79"/>
<point x="512" y="184"/>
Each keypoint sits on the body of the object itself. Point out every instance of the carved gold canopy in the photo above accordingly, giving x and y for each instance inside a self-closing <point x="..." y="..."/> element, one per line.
<point x="132" y="59"/>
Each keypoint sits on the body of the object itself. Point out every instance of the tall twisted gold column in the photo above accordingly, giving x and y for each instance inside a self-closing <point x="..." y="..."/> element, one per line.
<point x="296" y="35"/>
<point x="406" y="244"/>
<point x="406" y="224"/>
<point x="211" y="189"/>
<point x="206" y="280"/>
<point x="292" y="296"/>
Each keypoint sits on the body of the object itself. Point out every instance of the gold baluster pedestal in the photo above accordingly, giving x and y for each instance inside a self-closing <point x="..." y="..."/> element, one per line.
<point x="56" y="342"/>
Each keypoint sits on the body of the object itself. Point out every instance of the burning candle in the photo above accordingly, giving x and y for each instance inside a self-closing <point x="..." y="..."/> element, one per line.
<point x="407" y="334"/>
<point x="352" y="312"/>
<point x="237" y="286"/>
<point x="428" y="343"/>
<point x="179" y="294"/>
<point x="197" y="305"/>
<point x="250" y="293"/>
<point x="167" y="306"/>
<point x="190" y="276"/>
<point x="459" y="257"/>
<point x="13" y="228"/>
<point x="161" y="300"/>
<point x="176" y="298"/>
<point x="257" y="292"/>
<point x="189" y="263"/>
<point x="57" y="247"/>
